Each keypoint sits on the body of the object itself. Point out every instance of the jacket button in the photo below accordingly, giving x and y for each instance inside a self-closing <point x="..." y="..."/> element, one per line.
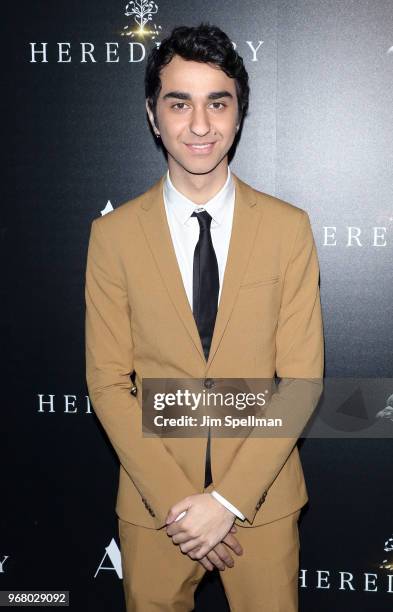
<point x="208" y="383"/>
<point x="134" y="390"/>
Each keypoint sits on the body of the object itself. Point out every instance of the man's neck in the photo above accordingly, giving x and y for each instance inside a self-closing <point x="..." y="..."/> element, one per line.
<point x="198" y="188"/>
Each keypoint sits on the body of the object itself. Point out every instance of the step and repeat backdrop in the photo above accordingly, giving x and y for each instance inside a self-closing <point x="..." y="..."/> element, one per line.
<point x="77" y="144"/>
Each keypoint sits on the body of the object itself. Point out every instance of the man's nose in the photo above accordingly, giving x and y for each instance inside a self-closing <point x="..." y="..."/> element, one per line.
<point x="200" y="123"/>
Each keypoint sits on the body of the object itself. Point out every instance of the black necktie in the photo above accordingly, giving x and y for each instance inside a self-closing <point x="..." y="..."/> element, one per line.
<point x="205" y="298"/>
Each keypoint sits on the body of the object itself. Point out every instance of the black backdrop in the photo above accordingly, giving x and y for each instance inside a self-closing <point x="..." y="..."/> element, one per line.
<point x="319" y="135"/>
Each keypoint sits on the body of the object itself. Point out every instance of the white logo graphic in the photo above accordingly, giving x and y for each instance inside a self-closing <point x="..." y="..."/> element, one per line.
<point x="387" y="413"/>
<point x="347" y="581"/>
<point x="388" y="547"/>
<point x="142" y="26"/>
<point x="113" y="552"/>
<point x="69" y="404"/>
<point x="108" y="208"/>
<point x="142" y="12"/>
<point x="354" y="236"/>
<point x="2" y="564"/>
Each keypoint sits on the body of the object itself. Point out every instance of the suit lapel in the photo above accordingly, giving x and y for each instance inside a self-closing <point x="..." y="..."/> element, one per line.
<point x="155" y="226"/>
<point x="246" y="218"/>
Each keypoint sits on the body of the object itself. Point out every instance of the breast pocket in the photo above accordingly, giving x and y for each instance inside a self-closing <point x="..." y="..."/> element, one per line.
<point x="258" y="282"/>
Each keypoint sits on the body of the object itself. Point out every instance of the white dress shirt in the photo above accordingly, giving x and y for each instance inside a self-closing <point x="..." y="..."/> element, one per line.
<point x="184" y="231"/>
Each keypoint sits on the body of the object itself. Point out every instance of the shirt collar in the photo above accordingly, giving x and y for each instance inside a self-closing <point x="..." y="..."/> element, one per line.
<point x="183" y="207"/>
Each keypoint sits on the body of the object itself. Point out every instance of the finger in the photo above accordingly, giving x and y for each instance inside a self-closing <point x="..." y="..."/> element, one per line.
<point x="177" y="527"/>
<point x="182" y="538"/>
<point x="180" y="528"/>
<point x="192" y="546"/>
<point x="215" y="559"/>
<point x="206" y="563"/>
<point x="174" y="528"/>
<point x="224" y="555"/>
<point x="233" y="543"/>
<point x="177" y="509"/>
<point x="196" y="553"/>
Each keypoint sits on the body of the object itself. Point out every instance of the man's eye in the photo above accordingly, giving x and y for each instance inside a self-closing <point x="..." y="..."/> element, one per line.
<point x="183" y="105"/>
<point x="179" y="105"/>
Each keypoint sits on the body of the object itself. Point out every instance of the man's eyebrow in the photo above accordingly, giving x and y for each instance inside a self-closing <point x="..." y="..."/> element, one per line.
<point x="183" y="95"/>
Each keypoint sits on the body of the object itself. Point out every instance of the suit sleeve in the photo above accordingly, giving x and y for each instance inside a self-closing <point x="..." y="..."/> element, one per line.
<point x="109" y="364"/>
<point x="299" y="364"/>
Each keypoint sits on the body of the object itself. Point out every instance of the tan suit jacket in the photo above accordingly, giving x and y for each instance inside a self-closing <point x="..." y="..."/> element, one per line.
<point x="138" y="318"/>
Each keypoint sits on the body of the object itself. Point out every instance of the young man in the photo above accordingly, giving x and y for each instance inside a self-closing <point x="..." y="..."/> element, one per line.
<point x="203" y="277"/>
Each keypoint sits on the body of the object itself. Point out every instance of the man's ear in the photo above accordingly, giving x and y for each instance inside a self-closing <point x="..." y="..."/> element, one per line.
<point x="151" y="118"/>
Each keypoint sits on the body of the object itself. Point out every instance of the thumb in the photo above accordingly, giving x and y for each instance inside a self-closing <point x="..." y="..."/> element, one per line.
<point x="181" y="506"/>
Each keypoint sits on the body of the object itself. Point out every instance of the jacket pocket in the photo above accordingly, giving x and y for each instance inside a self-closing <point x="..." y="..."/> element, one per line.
<point x="266" y="280"/>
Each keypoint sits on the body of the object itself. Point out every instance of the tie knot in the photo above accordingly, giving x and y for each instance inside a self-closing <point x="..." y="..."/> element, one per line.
<point x="204" y="219"/>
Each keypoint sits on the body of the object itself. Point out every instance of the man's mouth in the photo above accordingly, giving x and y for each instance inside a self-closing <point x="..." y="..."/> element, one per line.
<point x="200" y="147"/>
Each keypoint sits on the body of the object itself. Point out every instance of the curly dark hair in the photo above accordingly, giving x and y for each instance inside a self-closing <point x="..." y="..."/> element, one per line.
<point x="203" y="43"/>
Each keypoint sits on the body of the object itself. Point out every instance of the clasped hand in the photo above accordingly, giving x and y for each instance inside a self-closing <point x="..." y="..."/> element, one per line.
<point x="204" y="530"/>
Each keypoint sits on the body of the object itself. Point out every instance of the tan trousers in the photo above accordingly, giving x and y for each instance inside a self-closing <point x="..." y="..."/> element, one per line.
<point x="158" y="577"/>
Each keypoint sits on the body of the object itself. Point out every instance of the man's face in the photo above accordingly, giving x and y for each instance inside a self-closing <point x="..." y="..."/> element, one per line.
<point x="197" y="115"/>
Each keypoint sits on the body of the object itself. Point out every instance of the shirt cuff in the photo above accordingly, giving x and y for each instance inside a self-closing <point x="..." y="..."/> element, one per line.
<point x="227" y="504"/>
